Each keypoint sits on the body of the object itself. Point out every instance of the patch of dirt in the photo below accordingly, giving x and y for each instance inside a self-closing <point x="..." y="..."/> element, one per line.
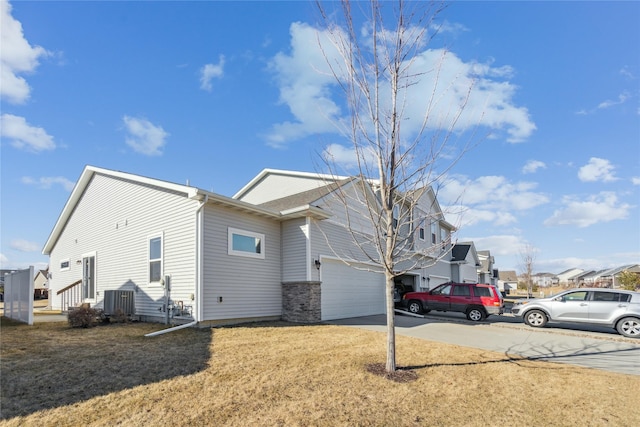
<point x="401" y="375"/>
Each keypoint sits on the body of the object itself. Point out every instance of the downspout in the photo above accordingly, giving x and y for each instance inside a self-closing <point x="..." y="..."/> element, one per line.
<point x="175" y="328"/>
<point x="199" y="309"/>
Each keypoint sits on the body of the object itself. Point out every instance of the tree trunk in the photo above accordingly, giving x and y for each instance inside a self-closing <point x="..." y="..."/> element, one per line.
<point x="391" y="325"/>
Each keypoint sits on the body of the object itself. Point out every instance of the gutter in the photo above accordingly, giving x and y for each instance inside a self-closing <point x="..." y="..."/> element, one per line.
<point x="175" y="328"/>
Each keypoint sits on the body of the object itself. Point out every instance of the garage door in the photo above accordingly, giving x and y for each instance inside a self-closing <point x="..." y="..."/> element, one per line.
<point x="349" y="292"/>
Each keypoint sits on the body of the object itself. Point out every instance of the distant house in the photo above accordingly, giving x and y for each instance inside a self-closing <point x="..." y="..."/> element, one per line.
<point x="610" y="278"/>
<point x="563" y="279"/>
<point x="543" y="280"/>
<point x="40" y="284"/>
<point x="487" y="273"/>
<point x="274" y="250"/>
<point x="508" y="280"/>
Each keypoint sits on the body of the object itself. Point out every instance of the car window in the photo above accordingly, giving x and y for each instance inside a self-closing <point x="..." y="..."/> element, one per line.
<point x="443" y="290"/>
<point x="461" y="291"/>
<point x="610" y="296"/>
<point x="482" y="291"/>
<point x="575" y="296"/>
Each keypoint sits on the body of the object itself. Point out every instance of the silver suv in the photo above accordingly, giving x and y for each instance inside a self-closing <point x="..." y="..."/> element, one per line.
<point x="614" y="307"/>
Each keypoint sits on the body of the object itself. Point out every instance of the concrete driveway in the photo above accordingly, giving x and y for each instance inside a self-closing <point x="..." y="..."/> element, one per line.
<point x="592" y="347"/>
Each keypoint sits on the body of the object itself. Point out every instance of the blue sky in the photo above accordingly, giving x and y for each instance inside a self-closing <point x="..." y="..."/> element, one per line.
<point x="213" y="92"/>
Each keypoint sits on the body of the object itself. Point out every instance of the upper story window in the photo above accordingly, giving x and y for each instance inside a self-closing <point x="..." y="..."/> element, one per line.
<point x="421" y="232"/>
<point x="434" y="229"/>
<point x="155" y="259"/>
<point x="444" y="234"/>
<point x="245" y="243"/>
<point x="396" y="215"/>
<point x="64" y="265"/>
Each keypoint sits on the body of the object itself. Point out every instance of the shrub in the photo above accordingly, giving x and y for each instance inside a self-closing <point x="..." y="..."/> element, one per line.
<point x="84" y="317"/>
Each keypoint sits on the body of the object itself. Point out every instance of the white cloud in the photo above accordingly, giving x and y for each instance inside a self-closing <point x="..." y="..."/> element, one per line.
<point x="46" y="182"/>
<point x="635" y="180"/>
<point x="602" y="207"/>
<point x="622" y="98"/>
<point x="494" y="192"/>
<point x="499" y="244"/>
<point x="597" y="170"/>
<point x="211" y="71"/>
<point x="18" y="57"/>
<point x="466" y="216"/>
<point x="309" y="88"/>
<point x="25" y="246"/>
<point x="4" y="261"/>
<point x="533" y="165"/>
<point x="23" y="135"/>
<point x="144" y="137"/>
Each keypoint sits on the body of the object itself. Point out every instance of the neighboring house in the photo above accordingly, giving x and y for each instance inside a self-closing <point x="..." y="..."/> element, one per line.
<point x="487" y="273"/>
<point x="563" y="278"/>
<point x="508" y="280"/>
<point x="465" y="263"/>
<point x="273" y="251"/>
<point x="40" y="284"/>
<point x="578" y="280"/>
<point x="543" y="280"/>
<point x="610" y="278"/>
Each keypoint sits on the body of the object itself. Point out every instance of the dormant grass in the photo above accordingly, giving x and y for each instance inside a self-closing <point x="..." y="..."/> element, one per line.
<point x="279" y="374"/>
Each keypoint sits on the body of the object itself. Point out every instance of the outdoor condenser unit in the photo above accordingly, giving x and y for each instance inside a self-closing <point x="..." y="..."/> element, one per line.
<point x="116" y="302"/>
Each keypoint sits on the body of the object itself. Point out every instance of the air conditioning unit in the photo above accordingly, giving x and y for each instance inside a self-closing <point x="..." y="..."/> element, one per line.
<point x="119" y="302"/>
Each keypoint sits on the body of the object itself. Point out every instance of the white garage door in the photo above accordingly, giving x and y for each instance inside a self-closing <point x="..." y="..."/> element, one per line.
<point x="349" y="292"/>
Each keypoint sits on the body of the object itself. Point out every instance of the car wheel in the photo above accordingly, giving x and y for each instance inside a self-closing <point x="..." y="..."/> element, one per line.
<point x="535" y="318"/>
<point x="475" y="314"/>
<point x="414" y="307"/>
<point x="629" y="327"/>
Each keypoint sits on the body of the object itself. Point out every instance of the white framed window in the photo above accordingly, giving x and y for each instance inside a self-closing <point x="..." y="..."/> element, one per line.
<point x="245" y="243"/>
<point x="156" y="252"/>
<point x="65" y="264"/>
<point x="396" y="216"/>
<point x="421" y="232"/>
<point x="434" y="229"/>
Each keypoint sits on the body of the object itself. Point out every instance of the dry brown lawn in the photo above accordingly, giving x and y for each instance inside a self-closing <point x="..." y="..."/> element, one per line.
<point x="282" y="374"/>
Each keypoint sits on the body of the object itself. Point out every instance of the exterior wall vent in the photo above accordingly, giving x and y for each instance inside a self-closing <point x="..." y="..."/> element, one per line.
<point x="119" y="302"/>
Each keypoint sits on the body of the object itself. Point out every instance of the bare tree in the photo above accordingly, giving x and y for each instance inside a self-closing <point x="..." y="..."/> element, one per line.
<point x="527" y="260"/>
<point x="399" y="165"/>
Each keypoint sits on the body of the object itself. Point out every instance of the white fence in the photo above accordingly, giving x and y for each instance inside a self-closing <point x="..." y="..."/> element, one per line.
<point x="18" y="295"/>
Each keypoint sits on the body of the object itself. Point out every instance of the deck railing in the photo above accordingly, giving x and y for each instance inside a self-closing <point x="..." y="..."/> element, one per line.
<point x="71" y="295"/>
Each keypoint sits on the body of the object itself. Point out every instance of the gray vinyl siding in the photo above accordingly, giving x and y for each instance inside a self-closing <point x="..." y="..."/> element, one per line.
<point x="275" y="186"/>
<point x="249" y="287"/>
<point x="115" y="218"/>
<point x="295" y="258"/>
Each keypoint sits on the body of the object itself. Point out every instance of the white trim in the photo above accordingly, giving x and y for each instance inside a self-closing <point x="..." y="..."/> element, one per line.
<point x="93" y="255"/>
<point x="235" y="252"/>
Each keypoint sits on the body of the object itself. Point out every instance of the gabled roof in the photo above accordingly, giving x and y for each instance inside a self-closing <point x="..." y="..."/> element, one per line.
<point x="617" y="270"/>
<point x="304" y="198"/>
<point x="460" y="252"/>
<point x="189" y="192"/>
<point x="325" y="178"/>
<point x="508" y="276"/>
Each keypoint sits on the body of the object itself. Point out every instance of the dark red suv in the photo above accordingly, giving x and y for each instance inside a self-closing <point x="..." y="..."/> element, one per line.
<point x="476" y="300"/>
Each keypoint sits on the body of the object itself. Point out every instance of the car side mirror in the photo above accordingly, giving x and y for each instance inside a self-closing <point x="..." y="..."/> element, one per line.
<point x="561" y="299"/>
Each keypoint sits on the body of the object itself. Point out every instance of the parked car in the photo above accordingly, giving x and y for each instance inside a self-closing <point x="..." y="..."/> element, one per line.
<point x="476" y="300"/>
<point x="613" y="307"/>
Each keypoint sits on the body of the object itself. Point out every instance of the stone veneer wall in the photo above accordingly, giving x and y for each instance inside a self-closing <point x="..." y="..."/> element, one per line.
<point x="301" y="302"/>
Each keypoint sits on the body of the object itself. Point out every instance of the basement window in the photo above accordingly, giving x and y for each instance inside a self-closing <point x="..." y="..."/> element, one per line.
<point x="245" y="243"/>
